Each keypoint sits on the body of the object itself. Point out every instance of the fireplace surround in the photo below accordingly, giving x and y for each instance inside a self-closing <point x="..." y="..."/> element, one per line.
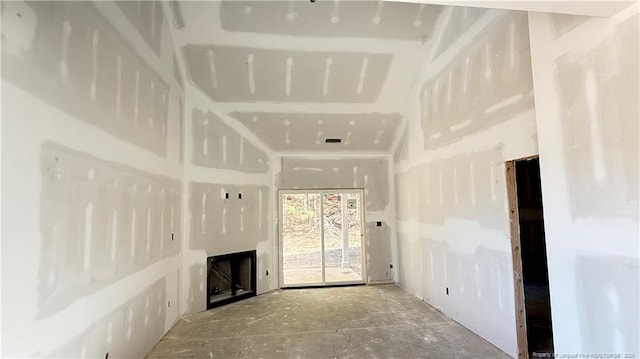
<point x="230" y="277"/>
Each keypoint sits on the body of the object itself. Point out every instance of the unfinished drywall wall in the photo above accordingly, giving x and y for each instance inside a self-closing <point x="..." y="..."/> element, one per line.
<point x="470" y="112"/>
<point x="148" y="18"/>
<point x="228" y="218"/>
<point x="373" y="175"/>
<point x="92" y="73"/>
<point x="128" y="331"/>
<point x="504" y="66"/>
<point x="90" y="160"/>
<point x="229" y="204"/>
<point x="586" y="90"/>
<point x="100" y="221"/>
<point x="217" y="145"/>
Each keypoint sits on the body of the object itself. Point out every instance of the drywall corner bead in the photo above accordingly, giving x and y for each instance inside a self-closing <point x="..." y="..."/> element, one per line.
<point x="99" y="222"/>
<point x="196" y="302"/>
<point x="600" y="122"/>
<point x="70" y="56"/>
<point x="217" y="145"/>
<point x="129" y="331"/>
<point x="222" y="225"/>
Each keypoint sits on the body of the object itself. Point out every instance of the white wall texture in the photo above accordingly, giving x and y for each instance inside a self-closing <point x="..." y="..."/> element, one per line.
<point x="453" y="223"/>
<point x="471" y="111"/>
<point x="586" y="90"/>
<point x="91" y="179"/>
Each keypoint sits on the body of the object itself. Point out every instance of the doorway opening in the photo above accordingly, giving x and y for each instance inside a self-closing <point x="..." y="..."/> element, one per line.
<point x="321" y="237"/>
<point x="531" y="279"/>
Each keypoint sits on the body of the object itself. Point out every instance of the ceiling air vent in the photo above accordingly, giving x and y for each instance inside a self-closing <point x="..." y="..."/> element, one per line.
<point x="333" y="140"/>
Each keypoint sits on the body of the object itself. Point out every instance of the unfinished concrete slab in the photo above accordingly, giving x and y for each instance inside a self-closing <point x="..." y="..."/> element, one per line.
<point x="393" y="20"/>
<point x="349" y="322"/>
<point x="366" y="132"/>
<point x="243" y="74"/>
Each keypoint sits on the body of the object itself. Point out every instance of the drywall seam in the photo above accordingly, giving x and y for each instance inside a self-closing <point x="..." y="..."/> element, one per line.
<point x="503" y="132"/>
<point x="475" y="31"/>
<point x="128" y="31"/>
<point x="199" y="100"/>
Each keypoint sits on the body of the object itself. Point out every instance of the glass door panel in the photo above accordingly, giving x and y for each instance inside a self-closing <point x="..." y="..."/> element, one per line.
<point x="322" y="237"/>
<point x="301" y="239"/>
<point x="337" y="244"/>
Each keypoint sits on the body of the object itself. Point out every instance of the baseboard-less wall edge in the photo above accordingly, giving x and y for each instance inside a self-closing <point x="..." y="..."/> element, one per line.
<point x="382" y="282"/>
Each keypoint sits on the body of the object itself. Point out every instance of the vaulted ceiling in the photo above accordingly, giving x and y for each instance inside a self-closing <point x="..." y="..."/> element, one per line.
<point x="296" y="73"/>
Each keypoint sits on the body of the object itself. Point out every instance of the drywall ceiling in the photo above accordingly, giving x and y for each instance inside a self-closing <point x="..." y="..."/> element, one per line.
<point x="602" y="8"/>
<point x="296" y="72"/>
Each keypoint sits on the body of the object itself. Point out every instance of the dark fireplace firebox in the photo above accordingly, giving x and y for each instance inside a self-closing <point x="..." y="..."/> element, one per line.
<point x="231" y="277"/>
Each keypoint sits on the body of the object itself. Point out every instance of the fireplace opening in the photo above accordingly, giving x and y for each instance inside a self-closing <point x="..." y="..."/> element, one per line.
<point x="231" y="277"/>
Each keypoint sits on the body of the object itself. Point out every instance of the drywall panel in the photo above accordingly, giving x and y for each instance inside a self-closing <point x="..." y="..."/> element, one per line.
<point x="307" y="132"/>
<point x="178" y="19"/>
<point x="600" y="124"/>
<point x="100" y="221"/>
<point x="129" y="331"/>
<point x="378" y="239"/>
<point x="587" y="114"/>
<point x="459" y="20"/>
<point x="371" y="174"/>
<point x="471" y="111"/>
<point x="561" y="23"/>
<point x="241" y="74"/>
<point x="464" y="186"/>
<point x="608" y="316"/>
<point x="228" y="218"/>
<point x="487" y="83"/>
<point x="217" y="145"/>
<point x="337" y="19"/>
<point x="70" y="56"/>
<point x="148" y="18"/>
<point x="458" y="282"/>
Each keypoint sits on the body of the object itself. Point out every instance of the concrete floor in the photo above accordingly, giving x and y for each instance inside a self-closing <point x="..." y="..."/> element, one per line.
<point x="382" y="321"/>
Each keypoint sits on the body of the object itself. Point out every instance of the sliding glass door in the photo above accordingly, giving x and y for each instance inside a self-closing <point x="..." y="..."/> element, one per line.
<point x="321" y="237"/>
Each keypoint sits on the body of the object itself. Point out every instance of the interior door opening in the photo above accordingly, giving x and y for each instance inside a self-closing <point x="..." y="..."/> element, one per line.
<point x="321" y="238"/>
<point x="533" y="307"/>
